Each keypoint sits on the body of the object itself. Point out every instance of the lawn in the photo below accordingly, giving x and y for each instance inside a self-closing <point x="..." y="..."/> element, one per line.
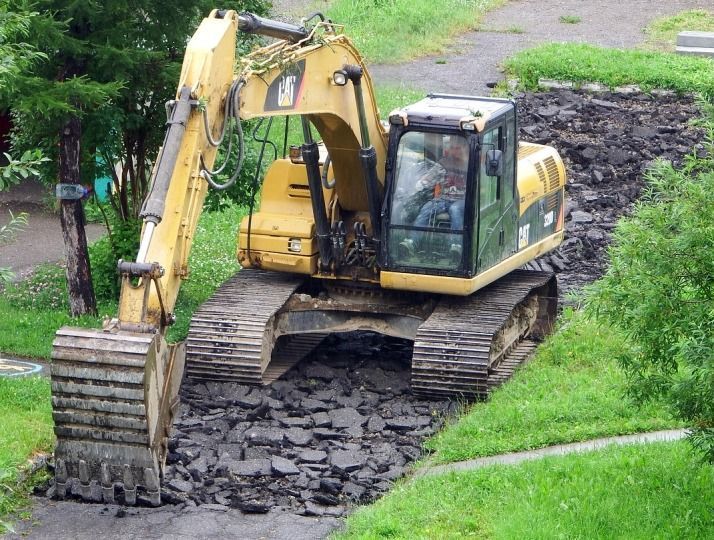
<point x="584" y="63"/>
<point x="397" y="30"/>
<point x="571" y="391"/>
<point x="662" y="32"/>
<point x="657" y="490"/>
<point x="25" y="430"/>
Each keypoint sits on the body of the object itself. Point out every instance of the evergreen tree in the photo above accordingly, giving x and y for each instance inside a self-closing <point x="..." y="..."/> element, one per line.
<point x="98" y="97"/>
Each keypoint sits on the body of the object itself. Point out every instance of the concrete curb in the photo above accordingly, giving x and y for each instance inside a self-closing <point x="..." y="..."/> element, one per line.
<point x="557" y="450"/>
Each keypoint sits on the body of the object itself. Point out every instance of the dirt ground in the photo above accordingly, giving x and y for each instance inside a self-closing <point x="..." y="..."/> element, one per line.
<point x="473" y="62"/>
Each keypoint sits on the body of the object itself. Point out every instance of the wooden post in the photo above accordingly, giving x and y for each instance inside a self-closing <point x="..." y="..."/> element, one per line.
<point x="79" y="275"/>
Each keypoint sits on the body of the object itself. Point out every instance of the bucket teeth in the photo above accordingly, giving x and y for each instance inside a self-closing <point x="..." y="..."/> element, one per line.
<point x="112" y="399"/>
<point x="60" y="479"/>
<point x="152" y="487"/>
<point x="84" y="486"/>
<point x="129" y="486"/>
<point x="107" y="485"/>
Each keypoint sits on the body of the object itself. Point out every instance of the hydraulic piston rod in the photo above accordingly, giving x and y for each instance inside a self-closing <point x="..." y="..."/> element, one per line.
<point x="252" y="24"/>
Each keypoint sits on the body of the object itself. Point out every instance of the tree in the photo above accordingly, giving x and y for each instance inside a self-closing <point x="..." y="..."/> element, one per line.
<point x="16" y="55"/>
<point x="659" y="289"/>
<point x="110" y="66"/>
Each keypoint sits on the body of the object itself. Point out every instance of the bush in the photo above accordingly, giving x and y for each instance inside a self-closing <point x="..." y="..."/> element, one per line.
<point x="121" y="243"/>
<point x="659" y="290"/>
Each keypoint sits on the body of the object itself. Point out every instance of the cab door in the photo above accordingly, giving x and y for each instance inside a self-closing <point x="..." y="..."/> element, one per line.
<point x="490" y="239"/>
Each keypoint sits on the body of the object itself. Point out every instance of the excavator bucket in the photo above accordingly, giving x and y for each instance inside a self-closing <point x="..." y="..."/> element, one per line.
<point x="113" y="399"/>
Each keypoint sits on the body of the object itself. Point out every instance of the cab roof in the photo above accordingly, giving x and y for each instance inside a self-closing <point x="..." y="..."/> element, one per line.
<point x="451" y="110"/>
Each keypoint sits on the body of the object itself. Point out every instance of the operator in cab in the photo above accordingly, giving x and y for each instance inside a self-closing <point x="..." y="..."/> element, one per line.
<point x="445" y="184"/>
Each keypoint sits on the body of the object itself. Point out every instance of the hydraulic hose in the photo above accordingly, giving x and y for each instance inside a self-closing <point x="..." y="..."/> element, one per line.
<point x="231" y="113"/>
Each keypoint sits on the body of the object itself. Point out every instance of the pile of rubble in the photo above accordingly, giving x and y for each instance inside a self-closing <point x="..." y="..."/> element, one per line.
<point x="607" y="142"/>
<point x="337" y="429"/>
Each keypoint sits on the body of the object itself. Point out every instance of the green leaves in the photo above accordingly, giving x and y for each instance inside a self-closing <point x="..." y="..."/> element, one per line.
<point x="16" y="224"/>
<point x="659" y="290"/>
<point x="20" y="169"/>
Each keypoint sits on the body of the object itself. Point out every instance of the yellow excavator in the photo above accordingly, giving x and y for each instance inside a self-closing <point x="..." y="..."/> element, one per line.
<point x="416" y="228"/>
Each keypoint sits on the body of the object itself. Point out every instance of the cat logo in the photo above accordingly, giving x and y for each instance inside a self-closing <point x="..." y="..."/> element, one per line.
<point x="285" y="92"/>
<point x="523" y="235"/>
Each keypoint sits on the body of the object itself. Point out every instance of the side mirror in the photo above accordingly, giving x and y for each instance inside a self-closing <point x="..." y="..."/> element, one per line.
<point x="494" y="163"/>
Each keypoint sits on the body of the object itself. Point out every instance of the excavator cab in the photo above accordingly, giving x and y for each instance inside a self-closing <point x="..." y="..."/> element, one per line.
<point x="428" y="201"/>
<point x="450" y="208"/>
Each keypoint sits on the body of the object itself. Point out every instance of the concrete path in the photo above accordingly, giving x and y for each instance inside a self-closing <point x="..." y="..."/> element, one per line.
<point x="557" y="450"/>
<point x="76" y="521"/>
<point x="41" y="240"/>
<point x="475" y="58"/>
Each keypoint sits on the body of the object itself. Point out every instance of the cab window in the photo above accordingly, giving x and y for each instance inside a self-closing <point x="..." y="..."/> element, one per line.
<point x="489" y="188"/>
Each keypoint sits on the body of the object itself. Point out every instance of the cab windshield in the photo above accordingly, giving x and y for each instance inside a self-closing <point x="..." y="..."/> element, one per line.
<point x="427" y="213"/>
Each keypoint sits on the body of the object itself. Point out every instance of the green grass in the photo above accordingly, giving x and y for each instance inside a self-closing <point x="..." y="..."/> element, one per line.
<point x="571" y="391"/>
<point x="613" y="67"/>
<point x="396" y="30"/>
<point x="661" y="34"/>
<point x="212" y="261"/>
<point x="570" y="19"/>
<point x="25" y="429"/>
<point x="508" y="30"/>
<point x="515" y="30"/>
<point x="643" y="491"/>
<point x="29" y="332"/>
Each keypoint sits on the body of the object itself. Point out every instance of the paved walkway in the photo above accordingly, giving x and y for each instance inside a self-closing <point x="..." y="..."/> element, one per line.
<point x="475" y="58"/>
<point x="41" y="240"/>
<point x="557" y="450"/>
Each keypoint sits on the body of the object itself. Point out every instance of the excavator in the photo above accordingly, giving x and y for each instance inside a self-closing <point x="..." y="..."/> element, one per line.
<point x="369" y="226"/>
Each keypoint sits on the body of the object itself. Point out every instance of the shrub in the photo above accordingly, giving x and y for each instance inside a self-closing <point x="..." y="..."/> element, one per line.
<point x="121" y="243"/>
<point x="659" y="290"/>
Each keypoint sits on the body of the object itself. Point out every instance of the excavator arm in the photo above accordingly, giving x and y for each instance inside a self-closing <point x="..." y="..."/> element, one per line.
<point x="114" y="391"/>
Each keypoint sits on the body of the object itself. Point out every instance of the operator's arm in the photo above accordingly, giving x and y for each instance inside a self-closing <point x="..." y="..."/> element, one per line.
<point x="429" y="174"/>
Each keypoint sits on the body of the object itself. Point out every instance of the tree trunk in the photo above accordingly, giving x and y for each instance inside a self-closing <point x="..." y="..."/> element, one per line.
<point x="79" y="275"/>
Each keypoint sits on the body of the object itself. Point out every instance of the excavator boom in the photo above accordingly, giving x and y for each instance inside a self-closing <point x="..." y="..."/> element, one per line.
<point x="114" y="391"/>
